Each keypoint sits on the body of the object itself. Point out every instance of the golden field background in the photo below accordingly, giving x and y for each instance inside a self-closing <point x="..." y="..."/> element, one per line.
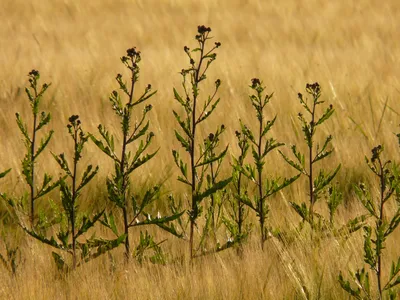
<point x="350" y="47"/>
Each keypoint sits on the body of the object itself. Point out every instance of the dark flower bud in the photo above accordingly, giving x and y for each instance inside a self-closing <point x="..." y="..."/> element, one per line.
<point x="255" y="82"/>
<point x="45" y="86"/>
<point x="217" y="83"/>
<point x="131" y="52"/>
<point x="115" y="93"/>
<point x="237" y="133"/>
<point x="34" y="73"/>
<point x="203" y="29"/>
<point x="331" y="106"/>
<point x="73" y="118"/>
<point x="222" y="127"/>
<point x="192" y="61"/>
<point x="300" y="96"/>
<point x="217" y="44"/>
<point x="148" y="88"/>
<point x="211" y="137"/>
<point x="186" y="49"/>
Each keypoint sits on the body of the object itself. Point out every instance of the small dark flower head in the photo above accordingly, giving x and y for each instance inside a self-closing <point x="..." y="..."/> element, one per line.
<point x="314" y="88"/>
<point x="148" y="108"/>
<point x="222" y="127"/>
<point x="74" y="120"/>
<point x="330" y="191"/>
<point x="330" y="106"/>
<point x="203" y="29"/>
<point x="217" y="83"/>
<point x="186" y="49"/>
<point x="131" y="52"/>
<point x="192" y="61"/>
<point x="255" y="82"/>
<point x="118" y="77"/>
<point x="34" y="73"/>
<point x="45" y="86"/>
<point x="300" y="96"/>
<point x="376" y="153"/>
<point x="238" y="134"/>
<point x="217" y="44"/>
<point x="124" y="59"/>
<point x="148" y="88"/>
<point x="211" y="137"/>
<point x="115" y="93"/>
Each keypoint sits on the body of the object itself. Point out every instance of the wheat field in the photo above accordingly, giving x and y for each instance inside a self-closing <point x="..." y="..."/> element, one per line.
<point x="350" y="47"/>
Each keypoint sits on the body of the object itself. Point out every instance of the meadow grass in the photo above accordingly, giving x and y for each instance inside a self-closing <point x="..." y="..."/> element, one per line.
<point x="350" y="47"/>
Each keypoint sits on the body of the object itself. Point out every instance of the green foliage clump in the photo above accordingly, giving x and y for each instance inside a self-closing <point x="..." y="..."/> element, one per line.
<point x="204" y="158"/>
<point x="261" y="146"/>
<point x="118" y="186"/>
<point x="385" y="221"/>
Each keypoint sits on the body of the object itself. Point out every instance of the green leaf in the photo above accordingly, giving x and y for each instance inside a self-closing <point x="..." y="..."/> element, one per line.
<point x="43" y="143"/>
<point x="273" y="186"/>
<point x="185" y="143"/>
<point x="212" y="159"/>
<point x="327" y="114"/>
<point x="268" y="126"/>
<point x="206" y="114"/>
<point x="141" y="133"/>
<point x="61" y="265"/>
<point x="103" y="246"/>
<point x="109" y="222"/>
<point x="179" y="98"/>
<point x="52" y="242"/>
<point x="140" y="161"/>
<point x="4" y="173"/>
<point x="106" y="149"/>
<point x="144" y="97"/>
<point x="345" y="284"/>
<point x="322" y="180"/>
<point x="87" y="176"/>
<point x="23" y="128"/>
<point x="87" y="223"/>
<point x="44" y="120"/>
<point x="292" y="163"/>
<point x="185" y="126"/>
<point x="213" y="189"/>
<point x="301" y="210"/>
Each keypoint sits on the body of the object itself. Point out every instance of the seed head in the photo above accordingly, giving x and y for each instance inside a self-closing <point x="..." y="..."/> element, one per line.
<point x="203" y="29"/>
<point x="132" y="52"/>
<point x="313" y="89"/>
<point x="300" y="96"/>
<point x="238" y="134"/>
<point x="255" y="82"/>
<point x="34" y="73"/>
